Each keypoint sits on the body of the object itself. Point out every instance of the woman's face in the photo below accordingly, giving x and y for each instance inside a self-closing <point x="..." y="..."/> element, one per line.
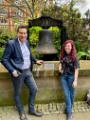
<point x="68" y="48"/>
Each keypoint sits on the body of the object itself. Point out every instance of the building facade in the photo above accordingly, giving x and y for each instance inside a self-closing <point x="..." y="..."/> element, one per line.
<point x="12" y="13"/>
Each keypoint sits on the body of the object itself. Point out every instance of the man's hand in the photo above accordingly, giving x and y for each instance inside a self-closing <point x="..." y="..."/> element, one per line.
<point x="15" y="73"/>
<point x="39" y="62"/>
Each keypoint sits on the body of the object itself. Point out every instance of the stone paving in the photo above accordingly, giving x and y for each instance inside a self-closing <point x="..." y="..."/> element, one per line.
<point x="51" y="112"/>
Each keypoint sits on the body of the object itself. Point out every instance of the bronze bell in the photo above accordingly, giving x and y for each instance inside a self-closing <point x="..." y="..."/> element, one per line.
<point x="45" y="45"/>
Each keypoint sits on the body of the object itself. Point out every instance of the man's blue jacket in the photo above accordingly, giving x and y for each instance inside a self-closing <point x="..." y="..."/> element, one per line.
<point x="12" y="58"/>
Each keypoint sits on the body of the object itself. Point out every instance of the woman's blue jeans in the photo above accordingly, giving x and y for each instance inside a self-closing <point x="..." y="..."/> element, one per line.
<point x="69" y="91"/>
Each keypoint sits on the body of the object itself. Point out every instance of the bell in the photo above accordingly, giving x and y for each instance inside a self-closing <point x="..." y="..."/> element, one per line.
<point x="45" y="45"/>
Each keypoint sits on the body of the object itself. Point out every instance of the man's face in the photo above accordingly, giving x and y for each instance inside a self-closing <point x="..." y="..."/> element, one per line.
<point x="22" y="34"/>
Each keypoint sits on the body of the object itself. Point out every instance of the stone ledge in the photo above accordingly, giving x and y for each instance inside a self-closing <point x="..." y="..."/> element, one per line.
<point x="50" y="68"/>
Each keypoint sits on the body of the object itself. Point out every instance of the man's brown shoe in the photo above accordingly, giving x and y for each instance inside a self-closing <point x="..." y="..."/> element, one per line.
<point x="38" y="114"/>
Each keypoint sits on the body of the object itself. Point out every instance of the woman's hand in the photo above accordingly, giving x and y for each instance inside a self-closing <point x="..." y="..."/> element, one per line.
<point x="75" y="78"/>
<point x="60" y="69"/>
<point x="74" y="83"/>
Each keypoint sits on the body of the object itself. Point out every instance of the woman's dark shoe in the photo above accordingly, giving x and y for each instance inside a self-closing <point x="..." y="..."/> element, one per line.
<point x="65" y="111"/>
<point x="69" y="116"/>
<point x="22" y="116"/>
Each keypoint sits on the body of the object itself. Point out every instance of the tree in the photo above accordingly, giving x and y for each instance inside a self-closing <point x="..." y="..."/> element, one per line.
<point x="32" y="8"/>
<point x="69" y="14"/>
<point x="72" y="19"/>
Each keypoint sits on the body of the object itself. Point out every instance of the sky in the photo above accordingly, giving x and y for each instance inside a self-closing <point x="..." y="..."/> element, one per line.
<point x="83" y="8"/>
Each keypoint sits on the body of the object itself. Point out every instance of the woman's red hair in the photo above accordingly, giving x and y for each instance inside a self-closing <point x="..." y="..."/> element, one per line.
<point x="72" y="55"/>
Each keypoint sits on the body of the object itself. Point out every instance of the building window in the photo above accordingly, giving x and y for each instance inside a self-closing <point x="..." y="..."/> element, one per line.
<point x="3" y="11"/>
<point x="17" y="2"/>
<point x="19" y="13"/>
<point x="3" y="20"/>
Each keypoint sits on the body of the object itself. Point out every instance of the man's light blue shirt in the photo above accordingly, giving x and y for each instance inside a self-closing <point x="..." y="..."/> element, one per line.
<point x="26" y="55"/>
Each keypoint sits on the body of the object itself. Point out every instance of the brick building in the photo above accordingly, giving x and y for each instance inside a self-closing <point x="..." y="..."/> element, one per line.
<point x="12" y="14"/>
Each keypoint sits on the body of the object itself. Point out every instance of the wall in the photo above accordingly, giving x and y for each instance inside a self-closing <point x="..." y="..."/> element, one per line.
<point x="47" y="78"/>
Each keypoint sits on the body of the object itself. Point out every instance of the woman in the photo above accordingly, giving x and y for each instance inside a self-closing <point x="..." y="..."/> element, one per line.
<point x="69" y="74"/>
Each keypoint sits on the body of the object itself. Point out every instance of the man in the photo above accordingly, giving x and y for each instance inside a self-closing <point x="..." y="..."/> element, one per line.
<point x="18" y="60"/>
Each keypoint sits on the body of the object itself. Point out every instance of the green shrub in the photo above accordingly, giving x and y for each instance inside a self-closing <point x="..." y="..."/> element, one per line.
<point x="1" y="52"/>
<point x="6" y="35"/>
<point x="83" y="55"/>
<point x="34" y="35"/>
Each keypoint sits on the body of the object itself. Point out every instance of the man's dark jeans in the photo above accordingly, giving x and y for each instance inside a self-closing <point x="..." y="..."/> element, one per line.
<point x="27" y="78"/>
<point x="69" y="91"/>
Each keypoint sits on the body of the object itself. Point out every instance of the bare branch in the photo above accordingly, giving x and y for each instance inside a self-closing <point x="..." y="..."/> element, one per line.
<point x="14" y="5"/>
